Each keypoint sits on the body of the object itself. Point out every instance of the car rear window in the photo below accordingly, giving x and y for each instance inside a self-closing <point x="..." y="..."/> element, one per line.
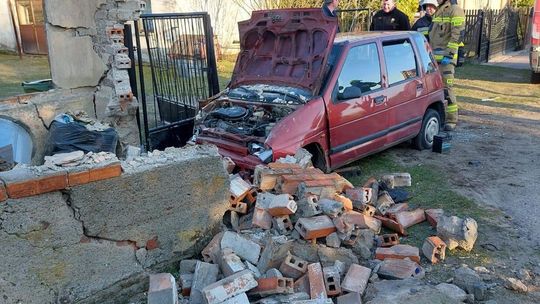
<point x="428" y="62"/>
<point x="400" y="60"/>
<point x="361" y="71"/>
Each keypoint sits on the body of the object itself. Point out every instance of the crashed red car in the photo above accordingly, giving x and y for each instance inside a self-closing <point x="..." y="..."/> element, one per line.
<point x="342" y="98"/>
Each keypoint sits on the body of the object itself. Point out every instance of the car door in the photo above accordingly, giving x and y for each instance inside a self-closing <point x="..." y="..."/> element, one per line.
<point x="357" y="112"/>
<point x="406" y="89"/>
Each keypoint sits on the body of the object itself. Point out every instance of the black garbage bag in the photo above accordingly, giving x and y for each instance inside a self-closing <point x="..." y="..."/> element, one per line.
<point x="73" y="136"/>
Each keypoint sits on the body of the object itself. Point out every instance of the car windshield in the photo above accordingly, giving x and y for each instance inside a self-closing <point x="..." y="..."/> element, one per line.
<point x="270" y="94"/>
<point x="332" y="60"/>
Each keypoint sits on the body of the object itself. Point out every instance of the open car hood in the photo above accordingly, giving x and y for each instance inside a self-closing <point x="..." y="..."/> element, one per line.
<point x="285" y="46"/>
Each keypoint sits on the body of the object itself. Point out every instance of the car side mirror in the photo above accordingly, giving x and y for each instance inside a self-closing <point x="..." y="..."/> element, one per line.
<point x="351" y="92"/>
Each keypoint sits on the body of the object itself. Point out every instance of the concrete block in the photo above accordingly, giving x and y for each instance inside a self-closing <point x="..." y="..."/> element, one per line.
<point x="261" y="218"/>
<point x="432" y="216"/>
<point x="239" y="207"/>
<point x="398" y="252"/>
<point x="302" y="284"/>
<point x="273" y="285"/>
<point x="356" y="279"/>
<point x="397" y="180"/>
<point x="398" y="269"/>
<point x="162" y="289"/>
<point x="230" y="263"/>
<point x="315" y="227"/>
<point x="434" y="249"/>
<point x="122" y="61"/>
<point x="273" y="254"/>
<point x="282" y="204"/>
<point x="238" y="189"/>
<point x="205" y="274"/>
<point x="283" y="224"/>
<point x="229" y="287"/>
<point x="273" y="273"/>
<point x="332" y="240"/>
<point x="293" y="267"/>
<point x="317" y="289"/>
<point x="243" y="247"/>
<point x="308" y="207"/>
<point x="384" y="202"/>
<point x="187" y="266"/>
<point x="264" y="199"/>
<point x="359" y="196"/>
<point x="239" y="299"/>
<point x="457" y="232"/>
<point x="332" y="280"/>
<point x="410" y="218"/>
<point x="331" y="208"/>
<point x="186" y="281"/>
<point x="256" y="273"/>
<point x="212" y="251"/>
<point x="350" y="298"/>
<point x="387" y="240"/>
<point x="391" y="224"/>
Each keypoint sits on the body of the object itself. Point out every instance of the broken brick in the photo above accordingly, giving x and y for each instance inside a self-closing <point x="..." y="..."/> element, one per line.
<point x="387" y="240"/>
<point x="244" y="248"/>
<point x="356" y="279"/>
<point x="352" y="238"/>
<point x="273" y="254"/>
<point x="331" y="208"/>
<point x="434" y="249"/>
<point x="282" y="204"/>
<point x="410" y="218"/>
<point x="384" y="202"/>
<point x="283" y="224"/>
<point x="320" y="188"/>
<point x="308" y="207"/>
<point x="152" y="244"/>
<point x="228" y="164"/>
<point x="367" y="210"/>
<point x="162" y="289"/>
<point x="317" y="288"/>
<point x="350" y="298"/>
<point x="302" y="284"/>
<point x="398" y="252"/>
<point x="230" y="262"/>
<point x="432" y="216"/>
<point x="362" y="221"/>
<point x="261" y="218"/>
<point x="397" y="208"/>
<point x="391" y="224"/>
<point x="239" y="207"/>
<point x="359" y="196"/>
<point x="346" y="202"/>
<point x="212" y="251"/>
<point x="238" y="189"/>
<point x="315" y="227"/>
<point x="274" y="285"/>
<point x="332" y="280"/>
<point x="397" y="180"/>
<point x="229" y="287"/>
<point x="33" y="185"/>
<point x="3" y="193"/>
<point x="186" y="280"/>
<point x="293" y="267"/>
<point x="398" y="269"/>
<point x="333" y="240"/>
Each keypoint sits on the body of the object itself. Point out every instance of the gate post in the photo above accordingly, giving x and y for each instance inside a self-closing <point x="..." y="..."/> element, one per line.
<point x="211" y="73"/>
<point x="480" y="34"/>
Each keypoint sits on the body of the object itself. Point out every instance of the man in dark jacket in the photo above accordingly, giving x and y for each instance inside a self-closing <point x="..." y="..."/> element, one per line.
<point x="329" y="9"/>
<point x="389" y="18"/>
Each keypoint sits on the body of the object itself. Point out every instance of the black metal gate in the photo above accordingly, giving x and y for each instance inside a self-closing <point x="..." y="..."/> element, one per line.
<point x="176" y="69"/>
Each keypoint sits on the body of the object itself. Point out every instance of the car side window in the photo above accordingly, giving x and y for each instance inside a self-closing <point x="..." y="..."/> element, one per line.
<point x="427" y="60"/>
<point x="361" y="72"/>
<point x="400" y="60"/>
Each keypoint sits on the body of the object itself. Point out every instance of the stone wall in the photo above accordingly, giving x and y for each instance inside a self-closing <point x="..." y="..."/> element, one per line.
<point x="97" y="242"/>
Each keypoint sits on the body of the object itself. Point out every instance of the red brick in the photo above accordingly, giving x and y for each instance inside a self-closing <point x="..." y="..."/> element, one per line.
<point x="388" y="240"/>
<point x="212" y="251"/>
<point x="152" y="244"/>
<point x="282" y="204"/>
<point x="359" y="195"/>
<point x="398" y="252"/>
<point x="293" y="267"/>
<point x="399" y="269"/>
<point x="434" y="249"/>
<point x="368" y="210"/>
<point x="317" y="289"/>
<point x="111" y="31"/>
<point x="3" y="193"/>
<point x="384" y="202"/>
<point x="315" y="227"/>
<point x="107" y="172"/>
<point x="284" y="166"/>
<point x="302" y="284"/>
<point x="283" y="224"/>
<point x="432" y="215"/>
<point x="410" y="218"/>
<point x="397" y="208"/>
<point x="38" y="185"/>
<point x="362" y="221"/>
<point x="391" y="224"/>
<point x="238" y="189"/>
<point x="78" y="178"/>
<point x="274" y="285"/>
<point x="347" y="203"/>
<point x="239" y="207"/>
<point x="356" y="279"/>
<point x="261" y="218"/>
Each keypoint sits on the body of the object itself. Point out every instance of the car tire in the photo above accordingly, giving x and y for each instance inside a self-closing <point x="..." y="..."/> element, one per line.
<point x="431" y="125"/>
<point x="535" y="77"/>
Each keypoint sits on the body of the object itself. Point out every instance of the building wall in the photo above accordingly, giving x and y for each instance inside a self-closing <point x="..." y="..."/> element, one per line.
<point x="7" y="35"/>
<point x="483" y="4"/>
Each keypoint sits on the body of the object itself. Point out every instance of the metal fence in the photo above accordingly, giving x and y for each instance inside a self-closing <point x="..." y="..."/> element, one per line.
<point x="179" y="70"/>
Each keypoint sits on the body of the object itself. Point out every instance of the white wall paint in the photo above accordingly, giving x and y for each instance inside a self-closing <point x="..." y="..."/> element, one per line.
<point x="7" y="35"/>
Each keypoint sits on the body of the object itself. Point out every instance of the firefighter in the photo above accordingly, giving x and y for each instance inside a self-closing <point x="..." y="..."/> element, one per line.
<point x="424" y="23"/>
<point x="446" y="36"/>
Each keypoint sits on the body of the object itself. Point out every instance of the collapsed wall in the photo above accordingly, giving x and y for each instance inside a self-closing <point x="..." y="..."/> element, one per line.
<point x="95" y="239"/>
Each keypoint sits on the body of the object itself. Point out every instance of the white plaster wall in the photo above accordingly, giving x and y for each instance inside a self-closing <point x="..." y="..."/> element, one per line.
<point x="7" y="35"/>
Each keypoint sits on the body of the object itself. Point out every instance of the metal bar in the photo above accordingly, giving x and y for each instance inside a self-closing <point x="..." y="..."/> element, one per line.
<point x="143" y="91"/>
<point x="128" y="39"/>
<point x="211" y="68"/>
<point x="174" y="15"/>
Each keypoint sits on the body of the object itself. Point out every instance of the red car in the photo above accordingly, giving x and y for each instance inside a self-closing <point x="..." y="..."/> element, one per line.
<point x="342" y="98"/>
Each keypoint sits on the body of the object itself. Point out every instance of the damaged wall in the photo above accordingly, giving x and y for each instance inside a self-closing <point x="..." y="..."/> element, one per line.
<point x="97" y="242"/>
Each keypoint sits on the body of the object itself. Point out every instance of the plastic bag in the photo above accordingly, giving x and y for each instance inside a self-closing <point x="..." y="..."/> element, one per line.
<point x="73" y="136"/>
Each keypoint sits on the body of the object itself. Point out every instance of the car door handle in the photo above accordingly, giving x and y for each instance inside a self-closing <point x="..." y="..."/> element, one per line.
<point x="379" y="99"/>
<point x="420" y="86"/>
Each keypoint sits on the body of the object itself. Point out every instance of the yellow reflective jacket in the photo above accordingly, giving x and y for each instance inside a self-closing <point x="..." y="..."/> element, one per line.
<point x="447" y="30"/>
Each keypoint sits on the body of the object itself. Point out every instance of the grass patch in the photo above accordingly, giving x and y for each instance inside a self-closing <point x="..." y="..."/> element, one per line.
<point x="13" y="71"/>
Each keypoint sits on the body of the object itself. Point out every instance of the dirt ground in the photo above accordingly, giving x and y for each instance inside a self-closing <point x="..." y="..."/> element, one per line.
<point x="495" y="160"/>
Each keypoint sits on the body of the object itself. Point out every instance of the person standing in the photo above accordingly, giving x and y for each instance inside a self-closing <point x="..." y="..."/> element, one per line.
<point x="423" y="24"/>
<point x="329" y="7"/>
<point x="389" y="18"/>
<point x="446" y="36"/>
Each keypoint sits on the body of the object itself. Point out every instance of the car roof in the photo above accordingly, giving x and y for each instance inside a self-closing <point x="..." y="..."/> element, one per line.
<point x="351" y="37"/>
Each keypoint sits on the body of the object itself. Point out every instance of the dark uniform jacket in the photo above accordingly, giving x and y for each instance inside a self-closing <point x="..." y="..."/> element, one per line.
<point x="327" y="12"/>
<point x="422" y="25"/>
<point x="395" y="20"/>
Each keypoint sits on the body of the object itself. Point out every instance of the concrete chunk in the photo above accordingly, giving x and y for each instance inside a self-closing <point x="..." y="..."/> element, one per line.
<point x="162" y="289"/>
<point x="356" y="279"/>
<point x="239" y="299"/>
<point x="457" y="232"/>
<point x="205" y="274"/>
<point x="229" y="287"/>
<point x="350" y="298"/>
<point x="243" y="247"/>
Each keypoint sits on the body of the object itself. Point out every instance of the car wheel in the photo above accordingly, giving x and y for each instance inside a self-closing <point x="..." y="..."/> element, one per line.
<point x="431" y="125"/>
<point x="535" y="77"/>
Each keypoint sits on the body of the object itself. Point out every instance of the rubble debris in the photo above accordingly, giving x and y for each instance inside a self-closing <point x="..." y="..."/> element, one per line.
<point x="356" y="279"/>
<point x="293" y="267"/>
<point x="162" y="289"/>
<point x="432" y="216"/>
<point x="397" y="180"/>
<point x="332" y="240"/>
<point x="282" y="204"/>
<point x="434" y="249"/>
<point x="516" y="285"/>
<point x="452" y="291"/>
<point x="243" y="247"/>
<point x="399" y="269"/>
<point x="273" y="285"/>
<point x="315" y="227"/>
<point x="409" y="218"/>
<point x="387" y="240"/>
<point x="332" y="280"/>
<point x="350" y="298"/>
<point x="229" y="287"/>
<point x="398" y="252"/>
<point x="317" y="288"/>
<point x="384" y="202"/>
<point x="205" y="274"/>
<point x="468" y="280"/>
<point x="457" y="232"/>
